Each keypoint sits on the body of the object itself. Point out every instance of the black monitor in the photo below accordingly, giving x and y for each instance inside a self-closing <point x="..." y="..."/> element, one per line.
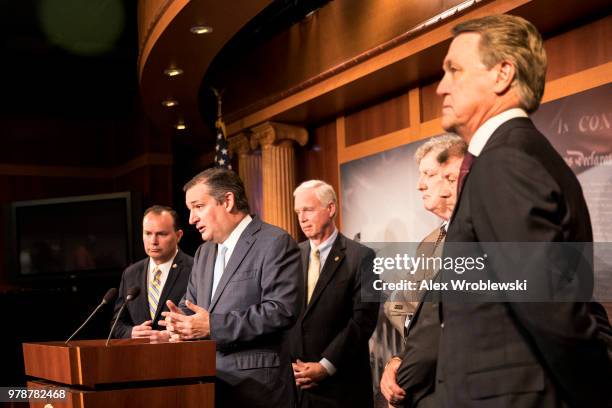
<point x="72" y="236"/>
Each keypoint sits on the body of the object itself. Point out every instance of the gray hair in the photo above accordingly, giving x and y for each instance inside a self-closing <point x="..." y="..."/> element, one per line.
<point x="324" y="192"/>
<point x="446" y="146"/>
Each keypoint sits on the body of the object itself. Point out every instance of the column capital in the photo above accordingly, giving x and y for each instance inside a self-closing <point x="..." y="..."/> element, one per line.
<point x="269" y="133"/>
<point x="240" y="143"/>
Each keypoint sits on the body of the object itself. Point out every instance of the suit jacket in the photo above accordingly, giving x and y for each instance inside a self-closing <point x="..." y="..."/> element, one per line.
<point x="256" y="302"/>
<point x="416" y="374"/>
<point x="400" y="304"/>
<point x="337" y="325"/>
<point x="522" y="354"/>
<point x="138" y="310"/>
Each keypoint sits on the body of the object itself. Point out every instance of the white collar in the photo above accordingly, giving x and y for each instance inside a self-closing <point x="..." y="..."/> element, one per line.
<point x="484" y="132"/>
<point x="164" y="267"/>
<point x="234" y="236"/>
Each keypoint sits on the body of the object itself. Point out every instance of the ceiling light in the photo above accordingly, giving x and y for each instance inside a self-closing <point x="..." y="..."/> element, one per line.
<point x="169" y="103"/>
<point x="201" y="29"/>
<point x="180" y="126"/>
<point x="173" y="72"/>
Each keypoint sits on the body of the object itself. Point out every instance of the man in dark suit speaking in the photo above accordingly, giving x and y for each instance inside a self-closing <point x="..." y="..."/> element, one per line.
<point x="329" y="343"/>
<point x="243" y="293"/>
<point x="162" y="276"/>
<point x="513" y="188"/>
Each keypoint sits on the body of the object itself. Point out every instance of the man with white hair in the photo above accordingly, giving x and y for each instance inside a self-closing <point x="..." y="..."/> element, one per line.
<point x="329" y="342"/>
<point x="408" y="379"/>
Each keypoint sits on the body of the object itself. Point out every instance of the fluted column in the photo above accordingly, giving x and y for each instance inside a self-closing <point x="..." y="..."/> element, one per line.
<point x="249" y="170"/>
<point x="278" y="170"/>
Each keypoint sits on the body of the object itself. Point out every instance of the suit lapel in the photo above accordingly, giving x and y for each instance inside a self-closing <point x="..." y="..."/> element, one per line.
<point x="143" y="301"/>
<point x="170" y="281"/>
<point x="243" y="245"/>
<point x="305" y="250"/>
<point x="333" y="261"/>
<point x="209" y="270"/>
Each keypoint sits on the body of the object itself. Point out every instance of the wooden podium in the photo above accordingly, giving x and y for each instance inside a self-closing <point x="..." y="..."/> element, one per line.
<point x="127" y="373"/>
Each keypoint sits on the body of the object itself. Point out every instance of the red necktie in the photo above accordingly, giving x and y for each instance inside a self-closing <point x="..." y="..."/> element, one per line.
<point x="466" y="164"/>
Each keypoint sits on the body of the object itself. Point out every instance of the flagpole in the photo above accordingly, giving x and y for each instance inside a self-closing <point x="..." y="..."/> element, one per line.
<point x="221" y="147"/>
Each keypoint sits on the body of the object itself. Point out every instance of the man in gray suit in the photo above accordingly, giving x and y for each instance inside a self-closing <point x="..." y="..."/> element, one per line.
<point x="242" y="293"/>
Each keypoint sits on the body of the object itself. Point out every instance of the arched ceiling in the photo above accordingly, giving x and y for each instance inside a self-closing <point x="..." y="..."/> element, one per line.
<point x="166" y="41"/>
<point x="260" y="51"/>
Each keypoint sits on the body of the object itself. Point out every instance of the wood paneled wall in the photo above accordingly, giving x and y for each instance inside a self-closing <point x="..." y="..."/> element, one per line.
<point x="43" y="158"/>
<point x="578" y="59"/>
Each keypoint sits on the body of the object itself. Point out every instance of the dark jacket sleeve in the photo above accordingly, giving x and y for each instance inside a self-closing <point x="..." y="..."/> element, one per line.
<point x="123" y="329"/>
<point x="534" y="208"/>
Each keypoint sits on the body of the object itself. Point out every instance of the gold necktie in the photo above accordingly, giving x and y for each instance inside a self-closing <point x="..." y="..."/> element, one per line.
<point x="314" y="267"/>
<point x="154" y="291"/>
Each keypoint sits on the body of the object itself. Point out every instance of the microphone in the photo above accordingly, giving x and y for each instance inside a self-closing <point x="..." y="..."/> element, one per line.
<point x="132" y="294"/>
<point x="110" y="296"/>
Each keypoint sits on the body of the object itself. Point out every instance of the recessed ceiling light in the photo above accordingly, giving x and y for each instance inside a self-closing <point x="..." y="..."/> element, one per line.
<point x="180" y="126"/>
<point x="169" y="103"/>
<point x="173" y="72"/>
<point x="201" y="29"/>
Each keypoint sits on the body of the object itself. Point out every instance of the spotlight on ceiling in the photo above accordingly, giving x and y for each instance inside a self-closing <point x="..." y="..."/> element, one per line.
<point x="173" y="72"/>
<point x="168" y="103"/>
<point x="201" y="29"/>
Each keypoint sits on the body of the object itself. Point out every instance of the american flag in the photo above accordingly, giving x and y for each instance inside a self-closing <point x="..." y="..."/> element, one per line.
<point x="221" y="149"/>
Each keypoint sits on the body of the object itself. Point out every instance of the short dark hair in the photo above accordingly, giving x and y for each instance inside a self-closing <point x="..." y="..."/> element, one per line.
<point x="158" y="209"/>
<point x="221" y="181"/>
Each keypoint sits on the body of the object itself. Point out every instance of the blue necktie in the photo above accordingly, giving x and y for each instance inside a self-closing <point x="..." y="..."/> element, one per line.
<point x="219" y="267"/>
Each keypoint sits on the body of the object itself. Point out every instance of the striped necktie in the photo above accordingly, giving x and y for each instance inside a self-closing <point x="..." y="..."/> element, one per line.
<point x="154" y="291"/>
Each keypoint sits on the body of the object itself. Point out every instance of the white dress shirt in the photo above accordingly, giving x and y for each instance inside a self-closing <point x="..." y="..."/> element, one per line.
<point x="164" y="268"/>
<point x="234" y="236"/>
<point x="484" y="132"/>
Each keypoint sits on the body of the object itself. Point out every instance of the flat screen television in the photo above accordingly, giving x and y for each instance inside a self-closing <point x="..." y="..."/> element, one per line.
<point x="72" y="236"/>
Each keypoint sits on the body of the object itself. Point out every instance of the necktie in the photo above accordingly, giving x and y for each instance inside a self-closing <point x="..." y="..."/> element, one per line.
<point x="314" y="267"/>
<point x="154" y="291"/>
<point x="466" y="164"/>
<point x="219" y="267"/>
<point x="441" y="236"/>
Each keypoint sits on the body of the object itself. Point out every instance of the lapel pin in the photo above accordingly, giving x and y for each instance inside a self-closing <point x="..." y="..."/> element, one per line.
<point x="337" y="258"/>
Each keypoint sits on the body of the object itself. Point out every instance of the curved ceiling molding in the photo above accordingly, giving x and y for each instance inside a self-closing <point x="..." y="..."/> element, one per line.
<point x="167" y="42"/>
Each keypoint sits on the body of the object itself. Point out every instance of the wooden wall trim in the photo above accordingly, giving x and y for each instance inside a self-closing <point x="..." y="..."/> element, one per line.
<point x="429" y="39"/>
<point x="341" y="146"/>
<point x="144" y="160"/>
<point x="556" y="89"/>
<point x="578" y="82"/>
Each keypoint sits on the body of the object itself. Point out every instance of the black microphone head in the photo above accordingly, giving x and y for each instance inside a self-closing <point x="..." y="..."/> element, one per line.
<point x="110" y="296"/>
<point x="133" y="293"/>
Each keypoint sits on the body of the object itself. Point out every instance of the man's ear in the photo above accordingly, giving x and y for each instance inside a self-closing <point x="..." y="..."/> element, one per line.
<point x="179" y="235"/>
<point x="332" y="209"/>
<point x="230" y="202"/>
<point x="506" y="73"/>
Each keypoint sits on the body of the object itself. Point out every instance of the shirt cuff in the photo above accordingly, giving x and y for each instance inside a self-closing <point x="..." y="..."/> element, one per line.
<point x="328" y="366"/>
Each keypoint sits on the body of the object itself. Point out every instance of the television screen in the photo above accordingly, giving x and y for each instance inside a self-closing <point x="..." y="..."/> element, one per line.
<point x="72" y="235"/>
